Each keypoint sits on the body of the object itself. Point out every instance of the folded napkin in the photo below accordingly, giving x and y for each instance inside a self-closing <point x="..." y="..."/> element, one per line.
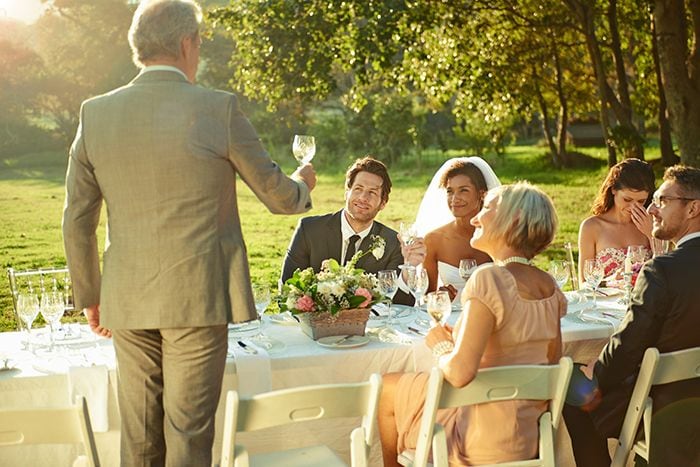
<point x="91" y="383"/>
<point x="253" y="370"/>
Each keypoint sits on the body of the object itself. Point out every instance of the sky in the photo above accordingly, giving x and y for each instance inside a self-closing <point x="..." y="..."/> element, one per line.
<point x="26" y="11"/>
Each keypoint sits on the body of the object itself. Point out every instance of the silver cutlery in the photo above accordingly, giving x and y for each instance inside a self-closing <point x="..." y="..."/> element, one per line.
<point x="343" y="339"/>
<point x="416" y="331"/>
<point x="247" y="348"/>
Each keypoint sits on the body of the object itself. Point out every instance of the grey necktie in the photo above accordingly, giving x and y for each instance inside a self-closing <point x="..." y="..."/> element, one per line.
<point x="351" y="248"/>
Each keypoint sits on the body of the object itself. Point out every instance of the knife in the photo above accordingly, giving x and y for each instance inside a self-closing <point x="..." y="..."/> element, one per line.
<point x="247" y="348"/>
<point x="343" y="339"/>
<point x="417" y="331"/>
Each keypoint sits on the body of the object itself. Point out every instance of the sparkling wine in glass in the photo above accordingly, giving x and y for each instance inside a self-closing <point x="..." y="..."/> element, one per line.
<point x="407" y="233"/>
<point x="593" y="275"/>
<point x="466" y="268"/>
<point x="304" y="148"/>
<point x="439" y="306"/>
<point x="559" y="270"/>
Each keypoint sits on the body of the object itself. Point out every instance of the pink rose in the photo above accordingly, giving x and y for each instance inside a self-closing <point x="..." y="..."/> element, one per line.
<point x="305" y="303"/>
<point x="362" y="292"/>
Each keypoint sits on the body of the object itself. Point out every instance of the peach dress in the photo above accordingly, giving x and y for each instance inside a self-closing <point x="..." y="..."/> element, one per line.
<point x="497" y="431"/>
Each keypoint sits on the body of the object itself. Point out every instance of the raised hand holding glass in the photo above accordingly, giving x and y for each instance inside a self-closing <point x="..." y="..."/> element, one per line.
<point x="304" y="148"/>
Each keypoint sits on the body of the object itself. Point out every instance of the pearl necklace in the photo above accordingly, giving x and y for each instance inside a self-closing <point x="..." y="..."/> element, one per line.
<point x="513" y="259"/>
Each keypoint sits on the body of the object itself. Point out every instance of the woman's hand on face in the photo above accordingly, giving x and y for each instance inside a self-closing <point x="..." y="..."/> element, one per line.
<point x="641" y="219"/>
<point x="438" y="334"/>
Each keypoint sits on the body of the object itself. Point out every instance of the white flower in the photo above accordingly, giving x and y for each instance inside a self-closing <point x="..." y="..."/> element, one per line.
<point x="378" y="251"/>
<point x="291" y="302"/>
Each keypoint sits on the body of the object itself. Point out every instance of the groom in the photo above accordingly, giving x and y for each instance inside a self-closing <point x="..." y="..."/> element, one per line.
<point x="339" y="235"/>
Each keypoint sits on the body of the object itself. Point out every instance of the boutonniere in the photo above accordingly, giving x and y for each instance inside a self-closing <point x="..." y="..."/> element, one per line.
<point x="378" y="244"/>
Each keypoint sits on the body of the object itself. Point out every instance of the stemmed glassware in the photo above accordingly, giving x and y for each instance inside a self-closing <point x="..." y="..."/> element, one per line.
<point x="466" y="268"/>
<point x="262" y="297"/>
<point x="418" y="284"/>
<point x="633" y="260"/>
<point x="304" y="148"/>
<point x="52" y="308"/>
<point x="388" y="285"/>
<point x="559" y="270"/>
<point x="593" y="274"/>
<point x="28" y="309"/>
<point x="439" y="306"/>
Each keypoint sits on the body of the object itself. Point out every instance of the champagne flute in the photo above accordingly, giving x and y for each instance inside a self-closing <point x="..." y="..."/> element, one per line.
<point x="439" y="306"/>
<point x="407" y="233"/>
<point x="466" y="268"/>
<point x="559" y="270"/>
<point x="27" y="310"/>
<point x="593" y="274"/>
<point x="304" y="148"/>
<point x="261" y="296"/>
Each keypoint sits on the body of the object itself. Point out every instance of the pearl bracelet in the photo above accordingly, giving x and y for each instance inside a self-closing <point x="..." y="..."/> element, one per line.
<point x="442" y="348"/>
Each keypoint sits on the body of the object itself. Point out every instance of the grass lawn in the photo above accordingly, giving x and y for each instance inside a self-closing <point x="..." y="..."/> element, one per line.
<point x="32" y="193"/>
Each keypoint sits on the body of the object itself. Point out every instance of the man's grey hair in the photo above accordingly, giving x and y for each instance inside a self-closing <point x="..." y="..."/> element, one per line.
<point x="159" y="26"/>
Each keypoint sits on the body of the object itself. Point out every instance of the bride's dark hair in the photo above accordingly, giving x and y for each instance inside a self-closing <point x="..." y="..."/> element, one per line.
<point x="630" y="174"/>
<point x="464" y="168"/>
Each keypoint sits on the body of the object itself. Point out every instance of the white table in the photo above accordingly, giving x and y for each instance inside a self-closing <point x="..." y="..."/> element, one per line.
<point x="302" y="362"/>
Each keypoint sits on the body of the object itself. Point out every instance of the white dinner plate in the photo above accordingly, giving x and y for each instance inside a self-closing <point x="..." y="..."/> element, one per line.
<point x="333" y="342"/>
<point x="610" y="291"/>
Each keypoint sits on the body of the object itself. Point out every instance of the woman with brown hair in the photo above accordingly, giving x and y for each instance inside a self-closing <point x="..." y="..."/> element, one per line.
<point x="619" y="218"/>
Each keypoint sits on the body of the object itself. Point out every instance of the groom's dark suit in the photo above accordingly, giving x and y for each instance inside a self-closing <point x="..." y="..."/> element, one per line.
<point x="317" y="238"/>
<point x="665" y="313"/>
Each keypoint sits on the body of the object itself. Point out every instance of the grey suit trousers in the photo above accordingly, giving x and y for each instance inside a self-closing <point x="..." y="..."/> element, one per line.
<point x="172" y="426"/>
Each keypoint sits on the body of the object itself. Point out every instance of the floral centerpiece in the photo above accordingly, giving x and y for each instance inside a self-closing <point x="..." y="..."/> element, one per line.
<point x="335" y="297"/>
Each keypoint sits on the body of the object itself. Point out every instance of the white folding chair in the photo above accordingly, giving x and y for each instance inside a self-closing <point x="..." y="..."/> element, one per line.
<point x="301" y="404"/>
<point x="656" y="369"/>
<point x="515" y="382"/>
<point x="65" y="425"/>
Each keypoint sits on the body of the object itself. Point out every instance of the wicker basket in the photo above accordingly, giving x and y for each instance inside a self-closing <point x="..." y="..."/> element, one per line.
<point x="351" y="322"/>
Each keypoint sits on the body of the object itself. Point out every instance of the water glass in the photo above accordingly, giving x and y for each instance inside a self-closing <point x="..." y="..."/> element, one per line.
<point x="418" y="284"/>
<point x="439" y="306"/>
<point x="388" y="285"/>
<point x="304" y="148"/>
<point x="52" y="308"/>
<point x="466" y="268"/>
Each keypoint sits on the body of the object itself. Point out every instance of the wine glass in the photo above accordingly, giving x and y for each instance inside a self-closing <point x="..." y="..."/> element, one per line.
<point x="261" y="296"/>
<point x="559" y="270"/>
<point x="27" y="310"/>
<point x="407" y="233"/>
<point x="439" y="306"/>
<point x="418" y="284"/>
<point x="304" y="148"/>
<point x="593" y="274"/>
<point x="52" y="308"/>
<point x="466" y="268"/>
<point x="388" y="285"/>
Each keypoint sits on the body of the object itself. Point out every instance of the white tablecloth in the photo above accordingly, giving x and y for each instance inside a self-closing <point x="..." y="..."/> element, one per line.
<point x="43" y="381"/>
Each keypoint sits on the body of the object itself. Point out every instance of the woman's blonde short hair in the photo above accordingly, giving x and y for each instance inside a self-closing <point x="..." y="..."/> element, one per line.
<point x="525" y="218"/>
<point x="159" y="26"/>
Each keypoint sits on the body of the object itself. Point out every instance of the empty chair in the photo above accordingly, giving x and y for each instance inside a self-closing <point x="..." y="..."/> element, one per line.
<point x="656" y="369"/>
<point x="66" y="425"/>
<point x="514" y="382"/>
<point x="286" y="406"/>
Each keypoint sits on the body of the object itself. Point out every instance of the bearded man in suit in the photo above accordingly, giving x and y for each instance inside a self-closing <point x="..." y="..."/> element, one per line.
<point x="339" y="235"/>
<point x="664" y="313"/>
<point x="164" y="154"/>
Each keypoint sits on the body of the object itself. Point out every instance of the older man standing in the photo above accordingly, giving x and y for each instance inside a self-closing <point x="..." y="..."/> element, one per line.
<point x="664" y="313"/>
<point x="164" y="154"/>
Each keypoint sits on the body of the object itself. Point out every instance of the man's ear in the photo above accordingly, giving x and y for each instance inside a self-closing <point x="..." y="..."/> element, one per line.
<point x="694" y="208"/>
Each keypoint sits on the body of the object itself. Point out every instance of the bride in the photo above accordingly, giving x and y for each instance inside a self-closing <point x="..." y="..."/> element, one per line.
<point x="454" y="196"/>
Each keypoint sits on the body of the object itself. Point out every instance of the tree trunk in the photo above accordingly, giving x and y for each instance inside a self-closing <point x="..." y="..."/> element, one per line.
<point x="563" y="110"/>
<point x="680" y="73"/>
<point x="556" y="160"/>
<point x="668" y="157"/>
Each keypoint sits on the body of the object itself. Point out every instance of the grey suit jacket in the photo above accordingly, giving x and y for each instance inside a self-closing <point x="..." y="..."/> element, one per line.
<point x="163" y="154"/>
<point x="318" y="238"/>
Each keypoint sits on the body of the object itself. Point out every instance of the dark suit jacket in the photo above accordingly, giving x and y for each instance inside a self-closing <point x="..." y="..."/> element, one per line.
<point x="664" y="313"/>
<point x="317" y="238"/>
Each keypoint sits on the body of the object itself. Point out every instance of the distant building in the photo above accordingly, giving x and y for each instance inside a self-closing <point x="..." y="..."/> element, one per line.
<point x="584" y="133"/>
